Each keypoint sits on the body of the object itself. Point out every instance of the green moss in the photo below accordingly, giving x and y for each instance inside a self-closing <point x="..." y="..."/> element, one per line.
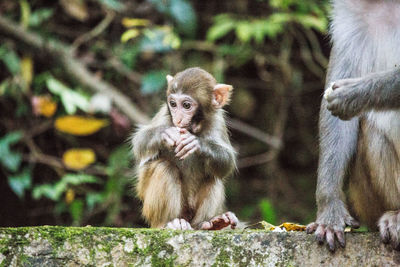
<point x="137" y="247"/>
<point x="95" y="239"/>
<point x="221" y="243"/>
<point x="149" y="246"/>
<point x="11" y="240"/>
<point x="157" y="243"/>
<point x="229" y="252"/>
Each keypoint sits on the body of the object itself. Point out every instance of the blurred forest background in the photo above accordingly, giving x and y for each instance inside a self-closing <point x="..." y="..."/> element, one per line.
<point x="77" y="75"/>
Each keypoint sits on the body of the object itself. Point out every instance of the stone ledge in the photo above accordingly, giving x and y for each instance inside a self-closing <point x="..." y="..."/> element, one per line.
<point x="94" y="246"/>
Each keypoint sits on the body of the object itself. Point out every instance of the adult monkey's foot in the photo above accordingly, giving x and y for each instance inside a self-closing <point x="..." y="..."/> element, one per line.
<point x="389" y="228"/>
<point x="330" y="226"/>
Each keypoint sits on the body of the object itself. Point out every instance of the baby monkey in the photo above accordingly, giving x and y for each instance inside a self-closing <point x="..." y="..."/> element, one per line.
<point x="184" y="156"/>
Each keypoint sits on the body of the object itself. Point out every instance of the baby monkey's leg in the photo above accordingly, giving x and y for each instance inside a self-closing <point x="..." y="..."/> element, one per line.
<point x="161" y="192"/>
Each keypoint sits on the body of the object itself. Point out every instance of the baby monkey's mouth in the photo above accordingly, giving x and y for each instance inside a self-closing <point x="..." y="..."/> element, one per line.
<point x="183" y="126"/>
<point x="191" y="127"/>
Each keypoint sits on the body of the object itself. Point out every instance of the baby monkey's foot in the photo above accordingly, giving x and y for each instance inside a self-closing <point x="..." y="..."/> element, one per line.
<point x="221" y="221"/>
<point x="178" y="224"/>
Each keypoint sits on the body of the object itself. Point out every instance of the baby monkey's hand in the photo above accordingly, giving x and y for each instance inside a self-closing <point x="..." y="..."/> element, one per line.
<point x="171" y="136"/>
<point x="186" y="145"/>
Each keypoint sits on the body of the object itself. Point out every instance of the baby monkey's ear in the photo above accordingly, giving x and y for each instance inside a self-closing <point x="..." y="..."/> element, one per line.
<point x="169" y="78"/>
<point x="221" y="95"/>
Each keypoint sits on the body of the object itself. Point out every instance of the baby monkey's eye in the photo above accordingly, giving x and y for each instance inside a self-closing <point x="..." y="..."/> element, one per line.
<point x="172" y="103"/>
<point x="186" y="105"/>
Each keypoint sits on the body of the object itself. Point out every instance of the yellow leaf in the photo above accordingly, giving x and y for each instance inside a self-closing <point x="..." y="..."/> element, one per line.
<point x="129" y="34"/>
<point x="27" y="69"/>
<point x="69" y="196"/>
<point x="132" y="22"/>
<point x="78" y="125"/>
<point x="270" y="227"/>
<point x="25" y="13"/>
<point x="78" y="158"/>
<point x="292" y="226"/>
<point x="261" y="225"/>
<point x="267" y="226"/>
<point x="44" y="105"/>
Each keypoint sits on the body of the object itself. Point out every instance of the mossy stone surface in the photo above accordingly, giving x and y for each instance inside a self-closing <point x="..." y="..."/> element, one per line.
<point x="97" y="246"/>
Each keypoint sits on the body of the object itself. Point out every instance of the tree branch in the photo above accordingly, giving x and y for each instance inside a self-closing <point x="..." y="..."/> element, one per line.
<point x="95" y="31"/>
<point x="255" y="133"/>
<point x="62" y="53"/>
<point x="255" y="160"/>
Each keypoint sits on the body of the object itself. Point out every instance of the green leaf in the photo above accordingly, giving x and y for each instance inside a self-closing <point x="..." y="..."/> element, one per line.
<point x="76" y="211"/>
<point x="244" y="31"/>
<point x="171" y="39"/>
<point x="129" y="34"/>
<point x="3" y="51"/>
<point x="5" y="87"/>
<point x="153" y="81"/>
<point x="59" y="188"/>
<point x="92" y="199"/>
<point x="11" y="138"/>
<point x="120" y="158"/>
<point x="130" y="54"/>
<point x="258" y="31"/>
<point x="60" y="208"/>
<point x="77" y="179"/>
<point x="20" y="182"/>
<point x="153" y="41"/>
<point x="10" y="59"/>
<point x="39" y="16"/>
<point x="247" y="211"/>
<point x="275" y="24"/>
<point x="222" y="26"/>
<point x="112" y="187"/>
<point x="113" y="4"/>
<point x="55" y="191"/>
<point x="160" y="5"/>
<point x="361" y="229"/>
<point x="9" y="159"/>
<point x="280" y="4"/>
<point x="25" y="12"/>
<point x="267" y="211"/>
<point x="39" y="82"/>
<point x="23" y="109"/>
<point x="45" y="190"/>
<point x="308" y="21"/>
<point x="71" y="100"/>
<point x="185" y="17"/>
<point x="240" y="54"/>
<point x="181" y="12"/>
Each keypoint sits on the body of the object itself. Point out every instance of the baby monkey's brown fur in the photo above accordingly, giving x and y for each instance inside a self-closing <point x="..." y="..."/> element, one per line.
<point x="184" y="155"/>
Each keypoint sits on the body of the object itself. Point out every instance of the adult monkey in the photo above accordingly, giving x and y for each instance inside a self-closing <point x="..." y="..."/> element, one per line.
<point x="364" y="80"/>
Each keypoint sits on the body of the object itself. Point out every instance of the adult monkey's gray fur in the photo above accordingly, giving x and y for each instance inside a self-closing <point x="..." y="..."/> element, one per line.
<point x="360" y="123"/>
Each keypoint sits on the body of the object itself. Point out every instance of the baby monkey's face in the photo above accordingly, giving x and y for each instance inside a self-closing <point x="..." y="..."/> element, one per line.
<point x="182" y="107"/>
